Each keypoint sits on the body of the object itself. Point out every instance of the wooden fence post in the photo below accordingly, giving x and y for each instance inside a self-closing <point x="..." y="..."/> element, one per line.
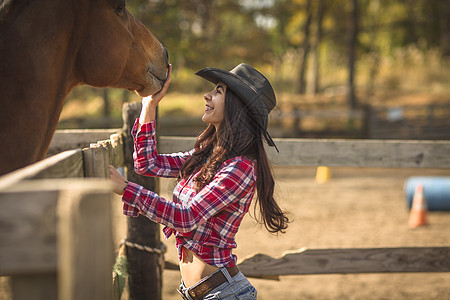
<point x="95" y="162"/>
<point x="56" y="239"/>
<point x="27" y="242"/>
<point x="144" y="268"/>
<point x="85" y="244"/>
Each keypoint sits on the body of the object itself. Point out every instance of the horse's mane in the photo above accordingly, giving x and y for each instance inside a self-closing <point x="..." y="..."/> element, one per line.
<point x="4" y="6"/>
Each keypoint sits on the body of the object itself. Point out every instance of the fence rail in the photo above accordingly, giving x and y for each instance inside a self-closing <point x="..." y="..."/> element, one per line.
<point x="317" y="152"/>
<point x="349" y="261"/>
<point x="411" y="121"/>
<point x="350" y="153"/>
<point x="418" y="122"/>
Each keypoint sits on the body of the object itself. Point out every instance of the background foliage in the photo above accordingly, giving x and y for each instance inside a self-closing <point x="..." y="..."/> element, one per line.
<point x="370" y="49"/>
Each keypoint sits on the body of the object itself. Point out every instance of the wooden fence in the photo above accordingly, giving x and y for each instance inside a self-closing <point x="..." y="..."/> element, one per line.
<point x="346" y="153"/>
<point x="56" y="234"/>
<point x="54" y="243"/>
<point x="55" y="226"/>
<point x="405" y="122"/>
<point x="428" y="122"/>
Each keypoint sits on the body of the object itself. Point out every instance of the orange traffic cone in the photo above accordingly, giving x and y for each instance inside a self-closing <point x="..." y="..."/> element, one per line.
<point x="418" y="214"/>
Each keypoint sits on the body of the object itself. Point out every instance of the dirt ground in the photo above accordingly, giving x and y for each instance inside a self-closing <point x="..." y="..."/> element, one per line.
<point x="356" y="208"/>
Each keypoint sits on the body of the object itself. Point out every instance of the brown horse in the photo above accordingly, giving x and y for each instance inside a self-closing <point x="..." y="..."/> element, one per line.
<point x="47" y="47"/>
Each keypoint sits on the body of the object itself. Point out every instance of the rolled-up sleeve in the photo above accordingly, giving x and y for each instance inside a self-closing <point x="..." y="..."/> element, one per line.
<point x="147" y="161"/>
<point x="235" y="180"/>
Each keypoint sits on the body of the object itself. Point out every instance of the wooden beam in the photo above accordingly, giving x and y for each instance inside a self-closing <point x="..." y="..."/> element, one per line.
<point x="313" y="152"/>
<point x="68" y="164"/>
<point x="362" y="153"/>
<point x="344" y="261"/>
<point x="85" y="245"/>
<point x="34" y="286"/>
<point x="114" y="149"/>
<point x="45" y="232"/>
<point x="348" y="153"/>
<point x="64" y="140"/>
<point x="95" y="161"/>
<point x="117" y="156"/>
<point x="28" y="231"/>
<point x="144" y="268"/>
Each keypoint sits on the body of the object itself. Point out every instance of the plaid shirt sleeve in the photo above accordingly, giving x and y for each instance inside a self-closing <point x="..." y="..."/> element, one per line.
<point x="235" y="179"/>
<point x="147" y="161"/>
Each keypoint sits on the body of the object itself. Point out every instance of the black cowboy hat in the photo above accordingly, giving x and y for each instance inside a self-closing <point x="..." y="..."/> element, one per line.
<point x="252" y="87"/>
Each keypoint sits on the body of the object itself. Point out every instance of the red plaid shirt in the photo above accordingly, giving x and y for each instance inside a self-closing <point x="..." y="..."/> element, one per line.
<point x="205" y="222"/>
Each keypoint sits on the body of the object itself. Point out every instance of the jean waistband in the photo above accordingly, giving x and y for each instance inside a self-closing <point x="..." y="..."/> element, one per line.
<point x="207" y="284"/>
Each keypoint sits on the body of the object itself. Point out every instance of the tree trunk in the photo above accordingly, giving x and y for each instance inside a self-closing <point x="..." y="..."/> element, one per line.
<point x="445" y="28"/>
<point x="352" y="102"/>
<point x="374" y="56"/>
<point x="313" y="85"/>
<point x="301" y="83"/>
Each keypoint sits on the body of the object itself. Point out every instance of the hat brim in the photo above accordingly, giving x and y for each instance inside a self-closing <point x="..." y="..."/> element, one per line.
<point x="238" y="85"/>
<point x="242" y="88"/>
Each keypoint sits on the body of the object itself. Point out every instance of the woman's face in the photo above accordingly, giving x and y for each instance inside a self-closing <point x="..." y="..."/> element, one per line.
<point x="215" y="105"/>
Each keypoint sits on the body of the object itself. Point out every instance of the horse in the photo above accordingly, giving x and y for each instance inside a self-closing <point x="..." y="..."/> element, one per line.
<point x="47" y="47"/>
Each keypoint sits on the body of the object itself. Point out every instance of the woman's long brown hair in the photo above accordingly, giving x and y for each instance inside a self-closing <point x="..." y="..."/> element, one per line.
<point x="237" y="135"/>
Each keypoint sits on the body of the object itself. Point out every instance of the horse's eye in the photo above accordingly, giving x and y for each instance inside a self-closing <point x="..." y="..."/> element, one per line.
<point x="120" y="9"/>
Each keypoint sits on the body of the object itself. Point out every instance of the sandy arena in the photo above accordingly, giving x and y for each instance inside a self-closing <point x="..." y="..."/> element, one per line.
<point x="357" y="208"/>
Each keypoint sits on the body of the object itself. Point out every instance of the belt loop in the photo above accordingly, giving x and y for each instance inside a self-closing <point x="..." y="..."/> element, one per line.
<point x="183" y="291"/>
<point x="226" y="274"/>
<point x="183" y="296"/>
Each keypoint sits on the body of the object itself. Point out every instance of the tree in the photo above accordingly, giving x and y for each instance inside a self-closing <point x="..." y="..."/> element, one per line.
<point x="313" y="86"/>
<point x="304" y="50"/>
<point x="352" y="102"/>
<point x="201" y="33"/>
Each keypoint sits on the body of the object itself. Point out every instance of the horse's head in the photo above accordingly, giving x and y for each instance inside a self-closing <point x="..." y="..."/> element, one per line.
<point x="117" y="50"/>
<point x="47" y="47"/>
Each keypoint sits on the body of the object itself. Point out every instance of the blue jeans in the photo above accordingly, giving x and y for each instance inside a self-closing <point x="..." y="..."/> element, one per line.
<point x="234" y="288"/>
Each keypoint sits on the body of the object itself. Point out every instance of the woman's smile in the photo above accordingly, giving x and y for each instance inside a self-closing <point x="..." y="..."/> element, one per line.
<point x="215" y="105"/>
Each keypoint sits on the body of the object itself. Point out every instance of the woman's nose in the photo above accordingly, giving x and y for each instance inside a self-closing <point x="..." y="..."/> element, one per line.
<point x="207" y="96"/>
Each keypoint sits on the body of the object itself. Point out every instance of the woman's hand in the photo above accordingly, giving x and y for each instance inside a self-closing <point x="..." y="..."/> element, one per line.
<point x="148" y="112"/>
<point x="157" y="97"/>
<point x="118" y="181"/>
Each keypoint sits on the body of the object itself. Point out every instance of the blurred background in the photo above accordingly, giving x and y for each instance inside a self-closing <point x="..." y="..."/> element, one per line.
<point x="340" y="68"/>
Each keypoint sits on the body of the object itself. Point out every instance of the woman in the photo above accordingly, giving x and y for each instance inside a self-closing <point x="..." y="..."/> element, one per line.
<point x="216" y="181"/>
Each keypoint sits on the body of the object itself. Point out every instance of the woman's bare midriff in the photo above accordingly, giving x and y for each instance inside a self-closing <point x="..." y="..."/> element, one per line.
<point x="194" y="268"/>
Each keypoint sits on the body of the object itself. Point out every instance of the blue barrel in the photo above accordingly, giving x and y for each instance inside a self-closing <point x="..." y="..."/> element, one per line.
<point x="436" y="191"/>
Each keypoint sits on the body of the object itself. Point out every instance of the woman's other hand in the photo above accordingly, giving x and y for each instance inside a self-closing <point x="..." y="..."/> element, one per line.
<point x="118" y="181"/>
